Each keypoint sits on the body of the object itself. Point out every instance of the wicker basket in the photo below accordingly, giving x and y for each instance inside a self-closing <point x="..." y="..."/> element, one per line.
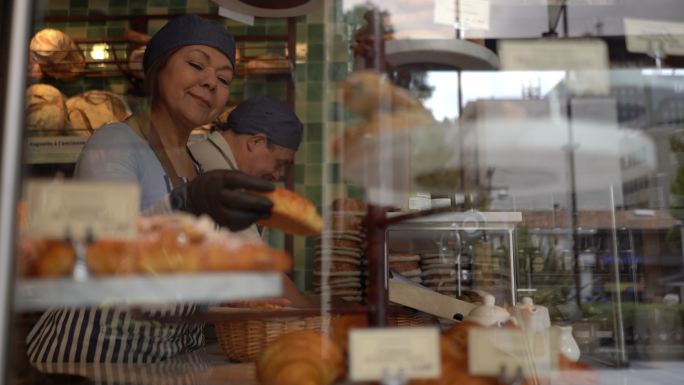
<point x="244" y="340"/>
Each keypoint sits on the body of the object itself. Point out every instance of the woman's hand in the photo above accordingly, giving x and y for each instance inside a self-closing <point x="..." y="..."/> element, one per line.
<point x="222" y="195"/>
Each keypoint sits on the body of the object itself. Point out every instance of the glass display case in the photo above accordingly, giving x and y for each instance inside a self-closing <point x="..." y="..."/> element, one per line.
<point x="459" y="191"/>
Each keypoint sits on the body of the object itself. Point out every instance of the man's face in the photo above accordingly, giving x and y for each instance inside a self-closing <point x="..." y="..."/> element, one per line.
<point x="264" y="160"/>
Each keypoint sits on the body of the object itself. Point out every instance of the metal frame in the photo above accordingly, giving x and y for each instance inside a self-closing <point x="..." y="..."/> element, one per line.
<point x="495" y="221"/>
<point x="19" y="27"/>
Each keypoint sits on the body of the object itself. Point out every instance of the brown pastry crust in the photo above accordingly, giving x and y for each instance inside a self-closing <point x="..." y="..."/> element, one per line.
<point x="302" y="357"/>
<point x="292" y="213"/>
<point x="45" y="258"/>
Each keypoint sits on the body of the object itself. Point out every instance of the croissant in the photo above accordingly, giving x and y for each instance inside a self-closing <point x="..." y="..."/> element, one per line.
<point x="300" y="358"/>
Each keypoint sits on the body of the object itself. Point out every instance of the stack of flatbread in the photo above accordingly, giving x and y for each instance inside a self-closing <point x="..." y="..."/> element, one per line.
<point x="407" y="265"/>
<point x="440" y="272"/>
<point x="339" y="264"/>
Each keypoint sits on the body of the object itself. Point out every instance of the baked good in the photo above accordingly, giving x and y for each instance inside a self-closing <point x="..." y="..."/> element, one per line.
<point x="46" y="112"/>
<point x="45" y="258"/>
<point x="93" y="109"/>
<point x="57" y="54"/>
<point x="292" y="213"/>
<point x="182" y="243"/>
<point x="300" y="358"/>
<point x="349" y="205"/>
<point x="33" y="68"/>
<point x="268" y="63"/>
<point x="368" y="92"/>
<point x="342" y="222"/>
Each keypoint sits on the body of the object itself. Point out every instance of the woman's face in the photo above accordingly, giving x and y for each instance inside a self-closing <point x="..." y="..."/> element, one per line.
<point x="194" y="85"/>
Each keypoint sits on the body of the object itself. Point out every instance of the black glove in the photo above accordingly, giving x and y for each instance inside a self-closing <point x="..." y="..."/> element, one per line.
<point x="221" y="194"/>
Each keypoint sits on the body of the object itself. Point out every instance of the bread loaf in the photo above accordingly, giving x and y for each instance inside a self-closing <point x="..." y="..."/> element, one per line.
<point x="94" y="109"/>
<point x="300" y="358"/>
<point x="46" y="112"/>
<point x="57" y="54"/>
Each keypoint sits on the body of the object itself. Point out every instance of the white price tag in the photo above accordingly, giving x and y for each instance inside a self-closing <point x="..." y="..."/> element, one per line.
<point x="586" y="60"/>
<point x="648" y="36"/>
<point x="491" y="349"/>
<point x="473" y="14"/>
<point x="57" y="149"/>
<point x="107" y="209"/>
<point x="377" y="354"/>
<point x="553" y="54"/>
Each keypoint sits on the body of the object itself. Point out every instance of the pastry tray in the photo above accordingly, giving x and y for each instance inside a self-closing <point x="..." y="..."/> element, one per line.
<point x="38" y="294"/>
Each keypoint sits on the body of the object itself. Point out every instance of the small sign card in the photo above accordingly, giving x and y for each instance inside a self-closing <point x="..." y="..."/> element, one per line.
<point x="473" y="14"/>
<point x="377" y="354"/>
<point x="654" y="37"/>
<point x="490" y="350"/>
<point x="106" y="209"/>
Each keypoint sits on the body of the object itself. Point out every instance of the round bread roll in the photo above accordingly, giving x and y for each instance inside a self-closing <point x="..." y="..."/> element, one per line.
<point x="57" y="54"/>
<point x="93" y="109"/>
<point x="135" y="62"/>
<point x="46" y="112"/>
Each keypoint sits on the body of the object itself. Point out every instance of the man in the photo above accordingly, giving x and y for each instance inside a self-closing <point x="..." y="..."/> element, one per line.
<point x="260" y="138"/>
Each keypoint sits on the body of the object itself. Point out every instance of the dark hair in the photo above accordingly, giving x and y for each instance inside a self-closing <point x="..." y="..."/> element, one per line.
<point x="152" y="74"/>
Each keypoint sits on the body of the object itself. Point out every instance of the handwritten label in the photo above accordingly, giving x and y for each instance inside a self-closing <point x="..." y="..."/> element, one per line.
<point x="491" y="349"/>
<point x="59" y="149"/>
<point x="376" y="354"/>
<point x="654" y="37"/>
<point x="553" y="54"/>
<point x="586" y="61"/>
<point x="473" y="14"/>
<point x="57" y="208"/>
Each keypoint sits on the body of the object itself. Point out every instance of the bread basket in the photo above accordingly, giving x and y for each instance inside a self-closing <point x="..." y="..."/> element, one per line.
<point x="243" y="340"/>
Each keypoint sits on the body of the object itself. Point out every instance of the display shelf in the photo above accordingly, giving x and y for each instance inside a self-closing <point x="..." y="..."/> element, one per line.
<point x="502" y="220"/>
<point x="461" y="54"/>
<point x="37" y="294"/>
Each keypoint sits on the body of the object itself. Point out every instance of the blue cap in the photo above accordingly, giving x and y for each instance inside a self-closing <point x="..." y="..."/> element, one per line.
<point x="189" y="30"/>
<point x="268" y="116"/>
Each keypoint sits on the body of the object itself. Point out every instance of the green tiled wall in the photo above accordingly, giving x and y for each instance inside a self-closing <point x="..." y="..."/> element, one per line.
<point x="322" y="61"/>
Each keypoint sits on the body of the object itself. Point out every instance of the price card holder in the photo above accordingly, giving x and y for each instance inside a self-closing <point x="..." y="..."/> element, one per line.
<point x="492" y="352"/>
<point x="585" y="60"/>
<point x="393" y="355"/>
<point x="82" y="210"/>
<point x="654" y="37"/>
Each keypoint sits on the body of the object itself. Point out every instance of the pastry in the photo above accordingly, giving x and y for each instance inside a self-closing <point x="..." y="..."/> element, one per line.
<point x="300" y="358"/>
<point x="292" y="213"/>
<point x="369" y="92"/>
<point x="45" y="258"/>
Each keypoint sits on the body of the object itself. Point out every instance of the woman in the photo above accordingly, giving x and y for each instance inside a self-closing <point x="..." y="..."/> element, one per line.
<point x="189" y="65"/>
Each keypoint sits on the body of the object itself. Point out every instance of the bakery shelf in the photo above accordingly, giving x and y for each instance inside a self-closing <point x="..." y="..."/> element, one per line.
<point x="37" y="294"/>
<point x="461" y="54"/>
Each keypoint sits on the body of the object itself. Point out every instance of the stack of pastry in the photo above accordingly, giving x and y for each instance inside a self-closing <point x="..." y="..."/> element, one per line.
<point x="406" y="265"/>
<point x="338" y="262"/>
<point x="440" y="272"/>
